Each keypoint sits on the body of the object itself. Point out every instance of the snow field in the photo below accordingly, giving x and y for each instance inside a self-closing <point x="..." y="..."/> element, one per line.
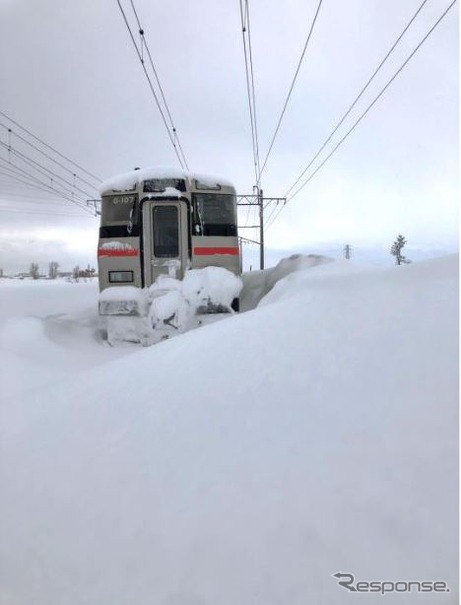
<point x="247" y="461"/>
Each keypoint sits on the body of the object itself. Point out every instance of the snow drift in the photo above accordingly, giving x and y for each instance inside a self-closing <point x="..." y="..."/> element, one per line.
<point x="248" y="461"/>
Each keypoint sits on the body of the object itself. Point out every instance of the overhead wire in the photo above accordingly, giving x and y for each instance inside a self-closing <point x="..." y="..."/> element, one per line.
<point x="48" y="202"/>
<point x="171" y="135"/>
<point x="292" y="85"/>
<point x="369" y="107"/>
<point x="39" y="212"/>
<point x="250" y="85"/>
<point x="253" y="92"/>
<point x="159" y="84"/>
<point x="20" y="175"/>
<point x="42" y="169"/>
<point x="375" y="99"/>
<point x="15" y="170"/>
<point x="268" y="219"/>
<point x="60" y="195"/>
<point x="358" y="97"/>
<point x="61" y="155"/>
<point x="21" y="138"/>
<point x="17" y="173"/>
<point x="19" y="194"/>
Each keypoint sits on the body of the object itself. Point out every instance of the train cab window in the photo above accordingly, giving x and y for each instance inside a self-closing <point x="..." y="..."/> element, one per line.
<point x="159" y="185"/>
<point x="214" y="214"/>
<point x="118" y="209"/>
<point x="165" y="231"/>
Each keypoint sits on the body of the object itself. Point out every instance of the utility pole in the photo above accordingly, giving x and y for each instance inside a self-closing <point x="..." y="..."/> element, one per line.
<point x="261" y="228"/>
<point x="257" y="199"/>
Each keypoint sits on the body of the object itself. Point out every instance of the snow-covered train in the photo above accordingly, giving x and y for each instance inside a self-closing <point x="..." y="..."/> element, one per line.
<point x="158" y="221"/>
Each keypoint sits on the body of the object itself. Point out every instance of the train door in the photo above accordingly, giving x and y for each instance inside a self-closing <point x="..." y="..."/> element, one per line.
<point x="166" y="239"/>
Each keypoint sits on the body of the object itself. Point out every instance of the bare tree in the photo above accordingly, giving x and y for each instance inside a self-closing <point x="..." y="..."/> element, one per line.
<point x="76" y="273"/>
<point x="396" y="250"/>
<point x="34" y="271"/>
<point x="53" y="270"/>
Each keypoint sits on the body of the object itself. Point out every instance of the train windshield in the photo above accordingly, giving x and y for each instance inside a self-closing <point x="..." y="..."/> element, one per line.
<point x="118" y="209"/>
<point x="159" y="185"/>
<point x="214" y="214"/>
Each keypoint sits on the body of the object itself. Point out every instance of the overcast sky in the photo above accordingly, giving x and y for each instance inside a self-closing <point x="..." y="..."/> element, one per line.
<point x="70" y="75"/>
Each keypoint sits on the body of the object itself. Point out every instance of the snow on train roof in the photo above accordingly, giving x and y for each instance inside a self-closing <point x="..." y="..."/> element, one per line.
<point x="126" y="181"/>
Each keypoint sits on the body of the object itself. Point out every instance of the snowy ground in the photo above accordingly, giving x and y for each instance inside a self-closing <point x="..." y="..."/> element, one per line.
<point x="242" y="463"/>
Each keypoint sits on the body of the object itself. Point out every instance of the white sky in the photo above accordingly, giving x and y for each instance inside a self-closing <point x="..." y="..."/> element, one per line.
<point x="69" y="73"/>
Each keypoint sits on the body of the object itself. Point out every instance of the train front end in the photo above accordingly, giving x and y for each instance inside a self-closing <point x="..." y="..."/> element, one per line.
<point x="156" y="224"/>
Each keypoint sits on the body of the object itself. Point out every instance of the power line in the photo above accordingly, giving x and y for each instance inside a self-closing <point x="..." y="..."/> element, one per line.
<point x="249" y="73"/>
<point x="27" y="198"/>
<point x="49" y="147"/>
<point x="42" y="169"/>
<point x="18" y="177"/>
<point x="54" y="184"/>
<point x="375" y="100"/>
<point x="274" y="210"/>
<point x="172" y="134"/>
<point x="47" y="201"/>
<point x="253" y="93"/>
<point x="16" y="171"/>
<point x="292" y="86"/>
<point x="39" y="212"/>
<point x="11" y="131"/>
<point x="275" y="215"/>
<point x="157" y="79"/>
<point x="19" y="174"/>
<point x="358" y="97"/>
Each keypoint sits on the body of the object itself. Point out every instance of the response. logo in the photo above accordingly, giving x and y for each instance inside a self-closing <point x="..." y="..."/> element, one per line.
<point x="347" y="581"/>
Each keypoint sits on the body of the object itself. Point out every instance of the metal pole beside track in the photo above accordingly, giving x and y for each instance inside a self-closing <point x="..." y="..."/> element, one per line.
<point x="261" y="228"/>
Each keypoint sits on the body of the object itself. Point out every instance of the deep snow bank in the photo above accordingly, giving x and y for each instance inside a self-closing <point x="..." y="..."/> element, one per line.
<point x="256" y="284"/>
<point x="49" y="330"/>
<point x="248" y="461"/>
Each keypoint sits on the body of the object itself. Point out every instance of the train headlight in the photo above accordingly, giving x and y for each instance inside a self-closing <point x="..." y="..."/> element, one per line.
<point x="121" y="277"/>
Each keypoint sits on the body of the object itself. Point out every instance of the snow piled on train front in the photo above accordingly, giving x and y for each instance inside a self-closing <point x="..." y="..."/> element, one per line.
<point x="128" y="180"/>
<point x="169" y="307"/>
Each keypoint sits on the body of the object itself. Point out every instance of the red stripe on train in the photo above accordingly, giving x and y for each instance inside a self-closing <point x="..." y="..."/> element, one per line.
<point x="221" y="250"/>
<point x="117" y="252"/>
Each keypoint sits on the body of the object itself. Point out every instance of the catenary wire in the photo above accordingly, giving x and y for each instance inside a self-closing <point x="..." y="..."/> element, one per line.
<point x="250" y="91"/>
<point x="25" y="197"/>
<point x="21" y="138"/>
<point x="42" y="169"/>
<point x="39" y="212"/>
<point x="253" y="93"/>
<point x="369" y="106"/>
<point x="20" y="174"/>
<point x="53" y="185"/>
<point x="358" y="97"/>
<point x="17" y="171"/>
<point x="170" y="135"/>
<point x="157" y="79"/>
<point x="375" y="99"/>
<point x="292" y="86"/>
<point x="49" y="146"/>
